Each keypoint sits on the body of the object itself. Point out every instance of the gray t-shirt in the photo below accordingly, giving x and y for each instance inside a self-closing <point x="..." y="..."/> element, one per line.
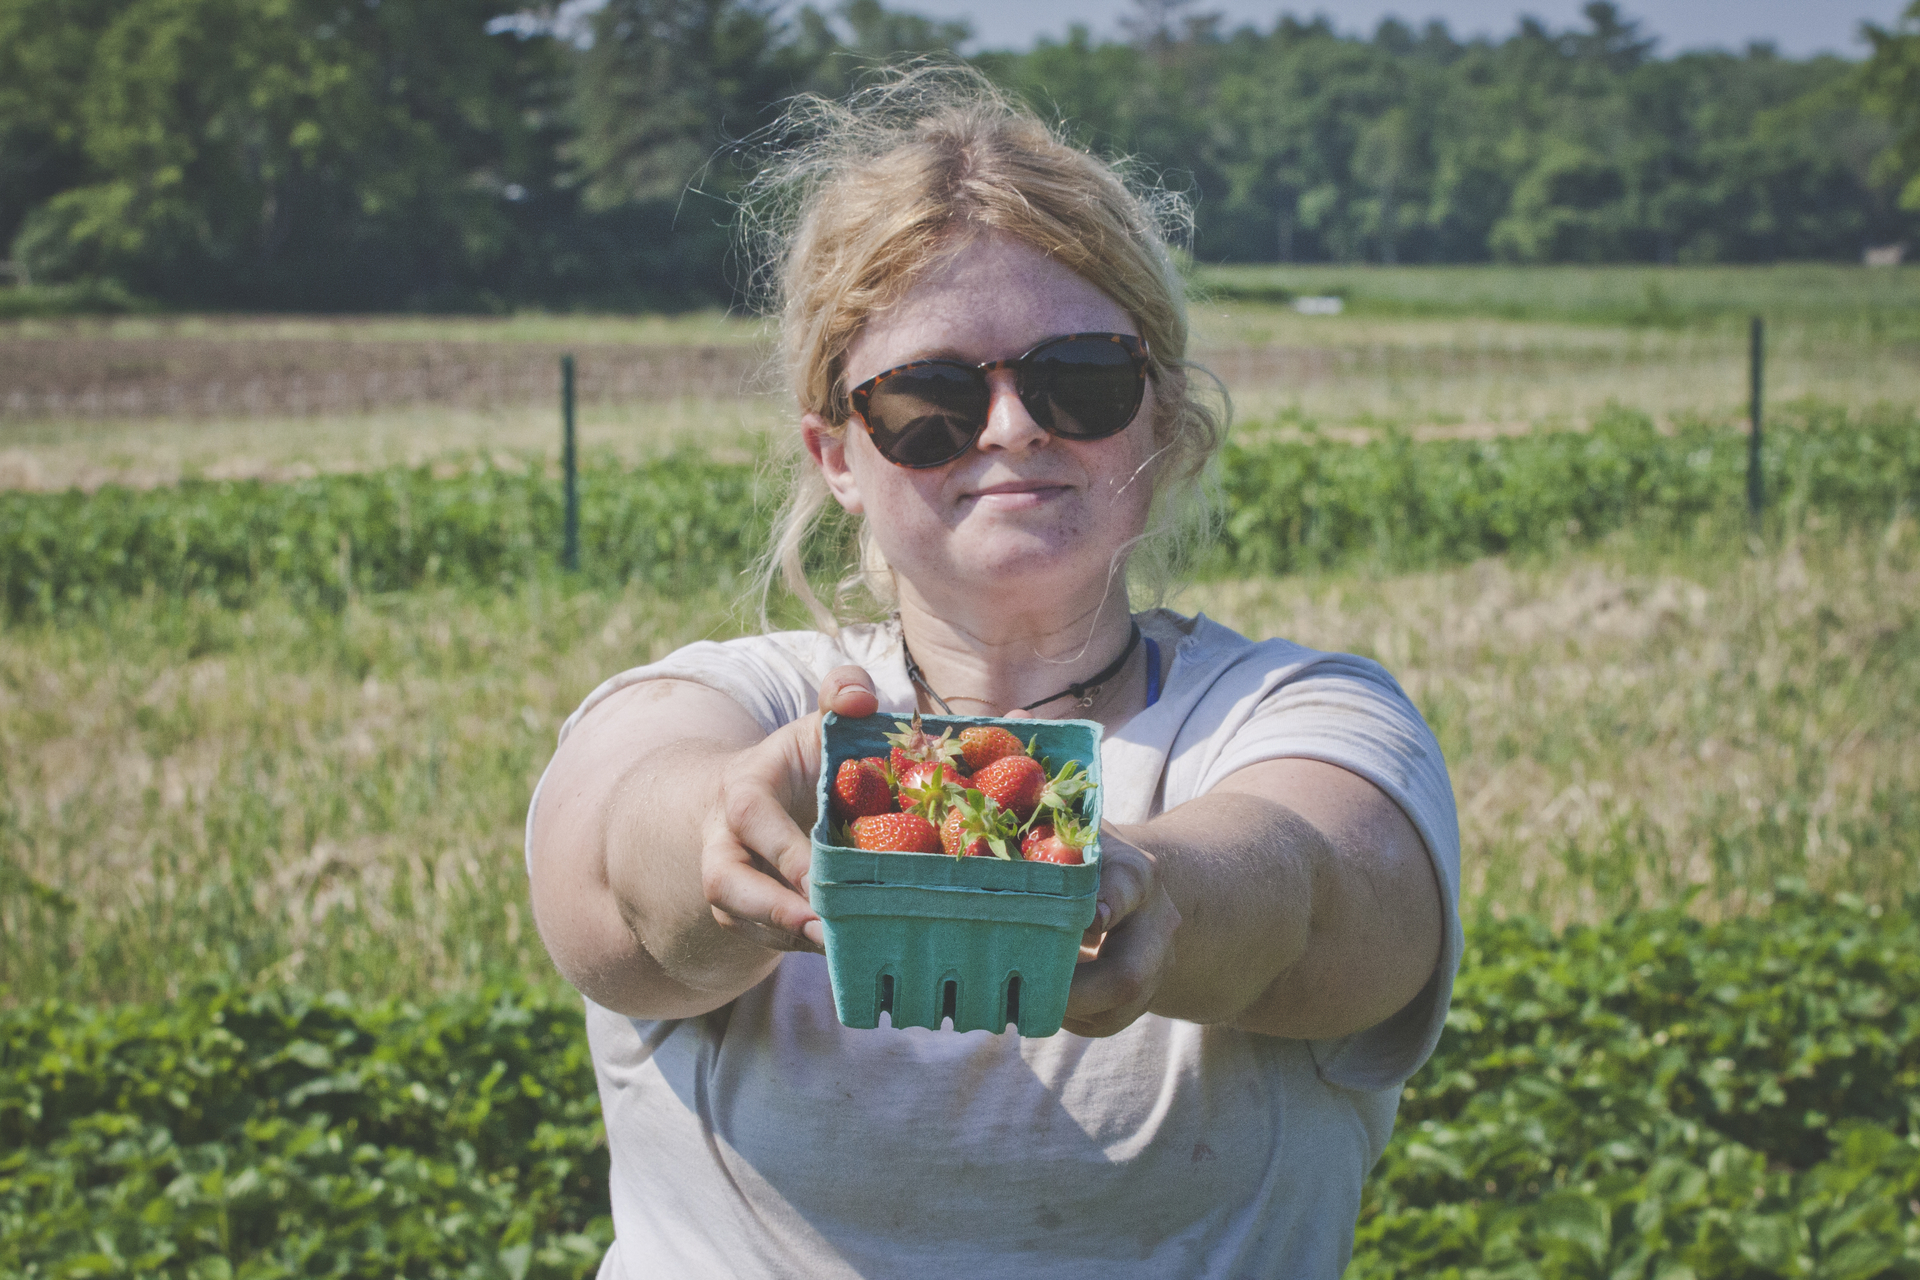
<point x="766" y="1140"/>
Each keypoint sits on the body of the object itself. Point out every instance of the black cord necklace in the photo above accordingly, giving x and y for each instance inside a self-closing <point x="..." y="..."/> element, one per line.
<point x="1084" y="692"/>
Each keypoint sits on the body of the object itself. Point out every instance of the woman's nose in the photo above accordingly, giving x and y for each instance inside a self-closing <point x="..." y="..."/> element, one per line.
<point x="1009" y="425"/>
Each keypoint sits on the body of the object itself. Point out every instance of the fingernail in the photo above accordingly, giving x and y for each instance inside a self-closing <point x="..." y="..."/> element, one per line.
<point x="816" y="933"/>
<point x="1101" y="916"/>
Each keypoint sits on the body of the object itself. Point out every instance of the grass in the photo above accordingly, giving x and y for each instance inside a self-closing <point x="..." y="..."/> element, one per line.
<point x="326" y="798"/>
<point x="1612" y="295"/>
<point x="1652" y="723"/>
<point x="692" y="328"/>
<point x="54" y="455"/>
<point x="335" y="799"/>
<point x="1482" y="377"/>
<point x="1485" y="350"/>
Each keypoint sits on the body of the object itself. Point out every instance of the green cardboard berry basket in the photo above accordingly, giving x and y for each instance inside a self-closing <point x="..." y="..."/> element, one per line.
<point x="925" y="937"/>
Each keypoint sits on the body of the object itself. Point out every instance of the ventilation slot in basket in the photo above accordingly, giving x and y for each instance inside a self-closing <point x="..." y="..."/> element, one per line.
<point x="1013" y="998"/>
<point x="949" y="999"/>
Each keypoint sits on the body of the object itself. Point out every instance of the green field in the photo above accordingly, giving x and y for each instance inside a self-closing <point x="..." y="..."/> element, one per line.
<point x="334" y="796"/>
<point x="270" y="733"/>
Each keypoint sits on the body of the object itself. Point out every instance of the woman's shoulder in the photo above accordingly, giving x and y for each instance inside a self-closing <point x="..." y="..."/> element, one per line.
<point x="1225" y="679"/>
<point x="774" y="675"/>
<point x="1204" y="646"/>
<point x="805" y="656"/>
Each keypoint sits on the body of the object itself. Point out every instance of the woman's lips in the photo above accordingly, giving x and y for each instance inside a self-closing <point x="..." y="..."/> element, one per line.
<point x="1016" y="490"/>
<point x="1016" y="495"/>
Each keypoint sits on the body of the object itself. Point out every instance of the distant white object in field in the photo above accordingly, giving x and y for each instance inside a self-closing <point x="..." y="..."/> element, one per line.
<point x="1886" y="255"/>
<point x="1323" y="305"/>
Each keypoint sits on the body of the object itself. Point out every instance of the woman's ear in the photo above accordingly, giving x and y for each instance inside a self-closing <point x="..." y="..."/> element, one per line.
<point x="828" y="449"/>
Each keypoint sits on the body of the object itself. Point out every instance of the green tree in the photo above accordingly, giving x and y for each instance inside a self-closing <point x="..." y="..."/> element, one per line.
<point x="1892" y="80"/>
<point x="665" y="84"/>
<point x="46" y="49"/>
<point x="290" y="152"/>
<point x="669" y="86"/>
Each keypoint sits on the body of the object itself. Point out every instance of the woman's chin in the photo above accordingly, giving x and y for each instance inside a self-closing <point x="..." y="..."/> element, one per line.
<point x="1029" y="570"/>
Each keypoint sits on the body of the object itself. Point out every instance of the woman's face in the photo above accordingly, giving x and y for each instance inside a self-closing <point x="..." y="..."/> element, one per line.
<point x="1031" y="518"/>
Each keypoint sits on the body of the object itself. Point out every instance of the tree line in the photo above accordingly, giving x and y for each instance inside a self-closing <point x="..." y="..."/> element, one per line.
<point x="462" y="154"/>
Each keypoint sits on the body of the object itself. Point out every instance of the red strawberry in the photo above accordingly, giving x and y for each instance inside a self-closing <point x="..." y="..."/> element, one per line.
<point x="1013" y="782"/>
<point x="976" y="828"/>
<point x="913" y="745"/>
<point x="1042" y="845"/>
<point x="982" y="744"/>
<point x="1061" y="795"/>
<point x="896" y="833"/>
<point x="923" y="786"/>
<point x="860" y="789"/>
<point x="954" y="841"/>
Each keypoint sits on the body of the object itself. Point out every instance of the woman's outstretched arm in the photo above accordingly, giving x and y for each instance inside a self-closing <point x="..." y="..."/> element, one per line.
<point x="669" y="850"/>
<point x="1294" y="899"/>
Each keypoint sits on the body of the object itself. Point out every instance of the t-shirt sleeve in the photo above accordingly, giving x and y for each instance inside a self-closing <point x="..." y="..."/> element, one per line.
<point x="771" y="677"/>
<point x="775" y="679"/>
<point x="1349" y="712"/>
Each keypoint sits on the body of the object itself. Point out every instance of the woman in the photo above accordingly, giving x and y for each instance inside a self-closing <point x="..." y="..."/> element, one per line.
<point x="985" y="334"/>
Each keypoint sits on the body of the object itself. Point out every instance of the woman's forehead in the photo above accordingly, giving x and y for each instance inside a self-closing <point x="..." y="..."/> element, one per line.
<point x="992" y="298"/>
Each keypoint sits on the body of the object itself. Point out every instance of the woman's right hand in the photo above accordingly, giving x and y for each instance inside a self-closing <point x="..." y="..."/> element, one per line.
<point x="755" y="850"/>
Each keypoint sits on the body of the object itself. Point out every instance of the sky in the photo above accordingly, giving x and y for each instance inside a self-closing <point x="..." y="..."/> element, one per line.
<point x="1797" y="28"/>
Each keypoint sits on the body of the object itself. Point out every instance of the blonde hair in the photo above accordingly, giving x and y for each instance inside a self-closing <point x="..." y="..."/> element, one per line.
<point x="858" y="199"/>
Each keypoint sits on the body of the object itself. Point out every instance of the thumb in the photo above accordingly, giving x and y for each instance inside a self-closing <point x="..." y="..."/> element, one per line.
<point x="848" y="691"/>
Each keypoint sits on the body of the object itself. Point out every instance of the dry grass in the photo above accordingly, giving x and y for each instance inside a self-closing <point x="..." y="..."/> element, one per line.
<point x="337" y="799"/>
<point x="694" y="328"/>
<point x="60" y="455"/>
<point x="334" y="799"/>
<point x="1485" y="376"/>
<point x="1647" y="728"/>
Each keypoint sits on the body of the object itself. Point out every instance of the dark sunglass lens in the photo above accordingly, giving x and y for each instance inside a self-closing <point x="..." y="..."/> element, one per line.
<point x="1083" y="388"/>
<point x="926" y="416"/>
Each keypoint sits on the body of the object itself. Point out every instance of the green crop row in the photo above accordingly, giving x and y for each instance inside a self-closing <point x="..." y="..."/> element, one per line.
<point x="1408" y="505"/>
<point x="1657" y="1097"/>
<point x="683" y="518"/>
<point x="687" y="520"/>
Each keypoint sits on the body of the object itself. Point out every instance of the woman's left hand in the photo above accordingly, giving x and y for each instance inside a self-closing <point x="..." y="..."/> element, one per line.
<point x="1128" y="950"/>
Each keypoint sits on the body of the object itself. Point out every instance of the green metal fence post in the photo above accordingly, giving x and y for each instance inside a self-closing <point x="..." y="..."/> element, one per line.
<point x="1756" y="364"/>
<point x="569" y="462"/>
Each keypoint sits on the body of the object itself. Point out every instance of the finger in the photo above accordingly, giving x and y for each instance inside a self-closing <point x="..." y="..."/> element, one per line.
<point x="810" y="938"/>
<point x="1126" y="880"/>
<point x="1111" y="991"/>
<point x="750" y="902"/>
<point x="753" y="820"/>
<point x="848" y="691"/>
<point x="754" y="861"/>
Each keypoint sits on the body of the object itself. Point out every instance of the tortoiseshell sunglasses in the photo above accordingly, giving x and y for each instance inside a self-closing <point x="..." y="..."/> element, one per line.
<point x="1079" y="386"/>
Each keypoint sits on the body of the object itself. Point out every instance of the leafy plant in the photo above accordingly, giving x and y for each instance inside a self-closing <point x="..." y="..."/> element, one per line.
<point x="1661" y="1097"/>
<point x="279" y="1135"/>
<point x="1307" y="503"/>
<point x="1657" y="1097"/>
